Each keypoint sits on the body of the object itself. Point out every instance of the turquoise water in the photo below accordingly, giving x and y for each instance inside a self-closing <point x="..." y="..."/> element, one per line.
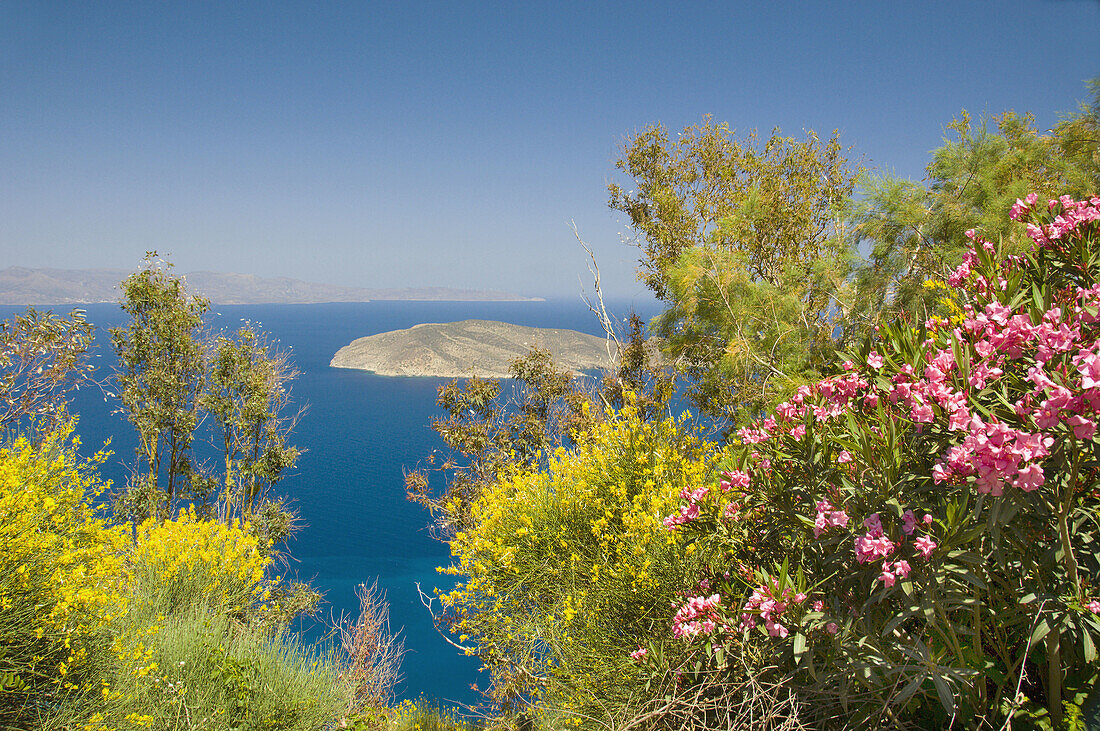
<point x="360" y="432"/>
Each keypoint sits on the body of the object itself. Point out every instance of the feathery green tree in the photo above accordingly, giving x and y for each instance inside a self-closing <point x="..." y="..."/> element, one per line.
<point x="247" y="393"/>
<point x="917" y="233"/>
<point x="746" y="243"/>
<point x="161" y="371"/>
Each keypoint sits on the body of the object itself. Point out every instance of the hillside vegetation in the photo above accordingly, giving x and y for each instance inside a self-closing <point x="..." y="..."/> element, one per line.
<point x="885" y="512"/>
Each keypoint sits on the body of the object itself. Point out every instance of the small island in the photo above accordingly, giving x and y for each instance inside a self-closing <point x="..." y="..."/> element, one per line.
<point x="483" y="348"/>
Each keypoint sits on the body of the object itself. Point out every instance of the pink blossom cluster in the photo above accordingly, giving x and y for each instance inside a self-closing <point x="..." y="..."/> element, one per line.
<point x="994" y="453"/>
<point x="698" y="616"/>
<point x="925" y="545"/>
<point x="828" y="517"/>
<point x="768" y="603"/>
<point x="1071" y="216"/>
<point x="689" y="509"/>
<point x="733" y="479"/>
<point x="688" y="512"/>
<point x="874" y="544"/>
<point x="891" y="572"/>
<point x="639" y="654"/>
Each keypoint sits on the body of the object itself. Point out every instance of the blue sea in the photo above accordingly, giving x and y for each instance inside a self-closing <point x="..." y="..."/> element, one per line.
<point x="360" y="432"/>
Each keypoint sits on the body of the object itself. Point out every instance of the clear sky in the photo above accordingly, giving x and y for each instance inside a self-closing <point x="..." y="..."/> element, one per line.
<point x="391" y="144"/>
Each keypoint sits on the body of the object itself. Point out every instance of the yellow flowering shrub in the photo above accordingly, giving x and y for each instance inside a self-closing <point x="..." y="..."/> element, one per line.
<point x="568" y="569"/>
<point x="190" y="562"/>
<point x="59" y="572"/>
<point x="424" y="715"/>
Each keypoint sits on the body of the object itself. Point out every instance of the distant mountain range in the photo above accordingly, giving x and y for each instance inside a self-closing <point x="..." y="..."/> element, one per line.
<point x="23" y="286"/>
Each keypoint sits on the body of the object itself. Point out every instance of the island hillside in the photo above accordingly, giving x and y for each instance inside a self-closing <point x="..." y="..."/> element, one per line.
<point x="483" y="348"/>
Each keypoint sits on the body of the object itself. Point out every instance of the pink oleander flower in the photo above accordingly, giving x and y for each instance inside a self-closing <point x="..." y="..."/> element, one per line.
<point x="819" y="606"/>
<point x="1088" y="365"/>
<point x="927" y="519"/>
<point x="799" y="431"/>
<point x="925" y="545"/>
<point x="922" y="413"/>
<point x="694" y="496"/>
<point x="875" y="360"/>
<point x="844" y="457"/>
<point x="696" y="616"/>
<point x="870" y="547"/>
<point x="639" y="654"/>
<point x="827" y="517"/>
<point x="908" y="522"/>
<point x="1093" y="606"/>
<point x="887" y="577"/>
<point x="902" y="569"/>
<point x="736" y="478"/>
<point x="873" y="523"/>
<point x="1083" y="428"/>
<point x="832" y="628"/>
<point x="1030" y="478"/>
<point x="687" y="514"/>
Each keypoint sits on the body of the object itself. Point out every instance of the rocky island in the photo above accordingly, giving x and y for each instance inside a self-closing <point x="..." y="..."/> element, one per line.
<point x="483" y="348"/>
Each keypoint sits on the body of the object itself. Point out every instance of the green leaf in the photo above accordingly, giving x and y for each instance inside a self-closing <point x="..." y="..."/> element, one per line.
<point x="799" y="647"/>
<point x="943" y="690"/>
<point x="910" y="688"/>
<point x="1042" y="629"/>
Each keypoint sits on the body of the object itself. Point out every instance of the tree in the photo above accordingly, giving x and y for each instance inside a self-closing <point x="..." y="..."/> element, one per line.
<point x="489" y="432"/>
<point x="160" y="374"/>
<point x="247" y="394"/>
<point x="918" y="233"/>
<point x="42" y="358"/>
<point x="172" y="374"/>
<point x="747" y="245"/>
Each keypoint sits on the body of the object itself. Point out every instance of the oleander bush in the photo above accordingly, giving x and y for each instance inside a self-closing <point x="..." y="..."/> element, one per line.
<point x="913" y="540"/>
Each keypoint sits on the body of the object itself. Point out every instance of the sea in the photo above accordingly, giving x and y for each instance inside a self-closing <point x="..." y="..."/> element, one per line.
<point x="359" y="434"/>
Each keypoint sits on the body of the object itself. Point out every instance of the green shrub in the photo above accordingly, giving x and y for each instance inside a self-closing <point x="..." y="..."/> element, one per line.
<point x="914" y="540"/>
<point x="60" y="571"/>
<point x="570" y="569"/>
<point x="198" y="669"/>
<point x="423" y="715"/>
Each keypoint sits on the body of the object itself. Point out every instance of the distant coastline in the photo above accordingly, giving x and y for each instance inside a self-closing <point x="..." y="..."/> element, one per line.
<point x="26" y="286"/>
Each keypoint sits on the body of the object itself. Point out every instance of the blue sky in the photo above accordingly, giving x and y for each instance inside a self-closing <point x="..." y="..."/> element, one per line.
<point x="395" y="144"/>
